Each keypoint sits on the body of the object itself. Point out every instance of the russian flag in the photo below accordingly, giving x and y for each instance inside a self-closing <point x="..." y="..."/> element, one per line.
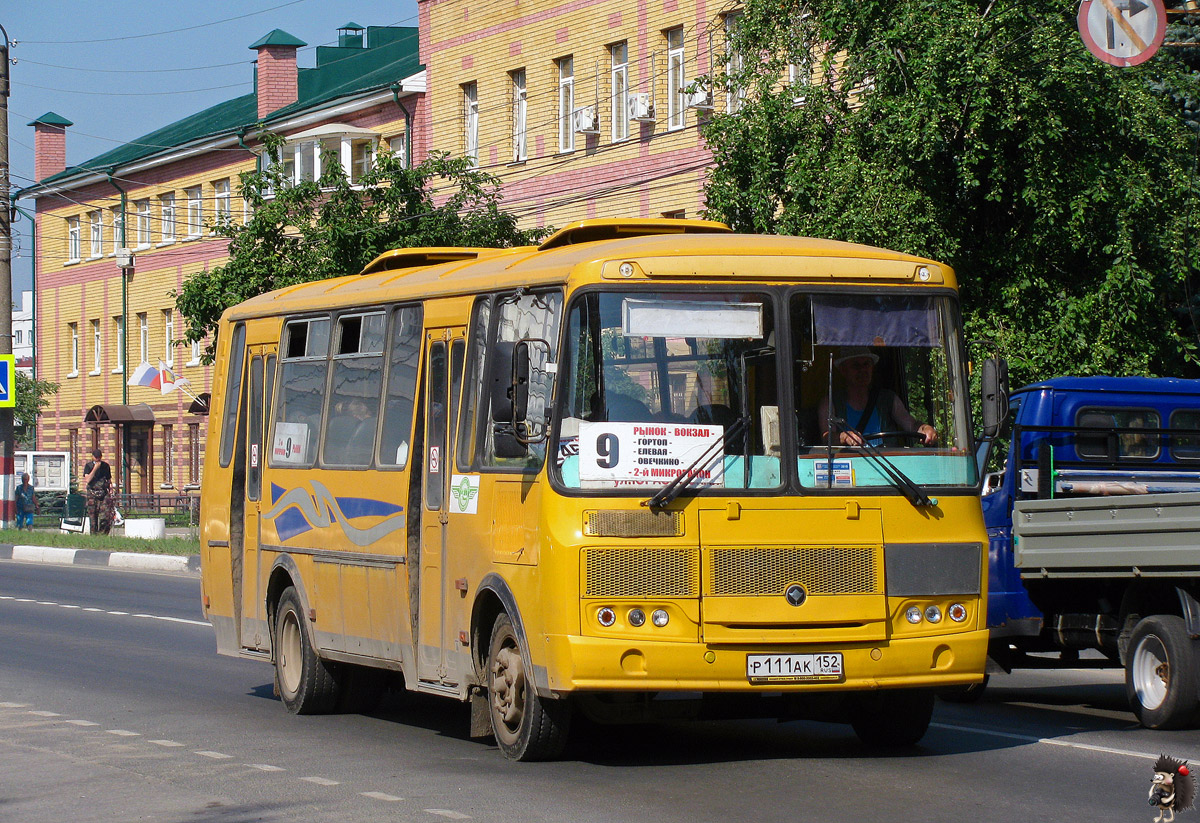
<point x="146" y="375"/>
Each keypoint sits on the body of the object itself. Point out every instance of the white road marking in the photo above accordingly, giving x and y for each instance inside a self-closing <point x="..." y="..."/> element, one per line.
<point x="44" y="713"/>
<point x="123" y="733"/>
<point x="119" y="613"/>
<point x="391" y="798"/>
<point x="453" y="815"/>
<point x="67" y="606"/>
<point x="1050" y="741"/>
<point x="82" y="723"/>
<point x="46" y="603"/>
<point x="93" y="609"/>
<point x="26" y="600"/>
<point x="165" y="743"/>
<point x="264" y="767"/>
<point x="321" y="781"/>
<point x="215" y="755"/>
<point x="8" y="705"/>
<point x="6" y="597"/>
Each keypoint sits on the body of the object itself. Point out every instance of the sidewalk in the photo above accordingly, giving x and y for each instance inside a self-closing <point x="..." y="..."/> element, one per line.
<point x="142" y="561"/>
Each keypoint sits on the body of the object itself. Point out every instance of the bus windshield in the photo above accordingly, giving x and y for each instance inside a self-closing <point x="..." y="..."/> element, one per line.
<point x="659" y="383"/>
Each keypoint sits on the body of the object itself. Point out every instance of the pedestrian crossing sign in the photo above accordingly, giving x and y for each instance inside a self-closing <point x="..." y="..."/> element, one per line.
<point x="8" y="381"/>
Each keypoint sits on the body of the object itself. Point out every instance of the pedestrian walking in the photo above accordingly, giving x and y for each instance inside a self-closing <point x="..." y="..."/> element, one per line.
<point x="97" y="479"/>
<point x="27" y="504"/>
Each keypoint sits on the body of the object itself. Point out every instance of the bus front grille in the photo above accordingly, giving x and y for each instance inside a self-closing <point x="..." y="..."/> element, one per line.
<point x="820" y="570"/>
<point x="641" y="573"/>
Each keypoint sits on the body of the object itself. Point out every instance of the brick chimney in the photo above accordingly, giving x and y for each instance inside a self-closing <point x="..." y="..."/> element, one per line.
<point x="49" y="144"/>
<point x="276" y="80"/>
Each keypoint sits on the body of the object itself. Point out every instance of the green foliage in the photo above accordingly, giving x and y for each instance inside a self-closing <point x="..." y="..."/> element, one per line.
<point x="331" y="227"/>
<point x="32" y="397"/>
<point x="980" y="133"/>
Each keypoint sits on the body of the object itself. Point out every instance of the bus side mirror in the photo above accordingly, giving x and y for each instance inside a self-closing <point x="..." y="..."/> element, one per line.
<point x="510" y="382"/>
<point x="995" y="395"/>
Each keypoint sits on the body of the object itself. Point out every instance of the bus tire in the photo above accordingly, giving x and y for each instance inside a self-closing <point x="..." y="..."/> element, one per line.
<point x="305" y="683"/>
<point x="525" y="726"/>
<point x="1160" y="673"/>
<point x="891" y="718"/>
<point x="964" y="694"/>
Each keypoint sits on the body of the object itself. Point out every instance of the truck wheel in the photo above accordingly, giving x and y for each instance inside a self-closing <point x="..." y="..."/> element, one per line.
<point x="891" y="718"/>
<point x="305" y="682"/>
<point x="1160" y="673"/>
<point x="526" y="726"/>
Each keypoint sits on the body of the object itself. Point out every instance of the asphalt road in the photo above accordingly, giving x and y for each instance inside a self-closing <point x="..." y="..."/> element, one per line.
<point x="114" y="706"/>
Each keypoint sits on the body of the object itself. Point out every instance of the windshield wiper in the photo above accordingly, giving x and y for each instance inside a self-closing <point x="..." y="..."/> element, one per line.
<point x="688" y="476"/>
<point x="911" y="491"/>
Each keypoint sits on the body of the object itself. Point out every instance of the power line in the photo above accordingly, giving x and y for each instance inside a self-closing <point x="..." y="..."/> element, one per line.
<point x="134" y="93"/>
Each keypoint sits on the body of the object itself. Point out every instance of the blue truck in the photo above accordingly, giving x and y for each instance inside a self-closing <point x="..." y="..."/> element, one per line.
<point x="1094" y="536"/>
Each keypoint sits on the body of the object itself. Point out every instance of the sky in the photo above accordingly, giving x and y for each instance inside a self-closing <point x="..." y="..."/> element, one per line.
<point x="124" y="68"/>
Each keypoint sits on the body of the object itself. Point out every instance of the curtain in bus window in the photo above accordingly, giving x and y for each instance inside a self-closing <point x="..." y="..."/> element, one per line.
<point x="400" y="399"/>
<point x="300" y="399"/>
<point x="532" y="317"/>
<point x="875" y="320"/>
<point x="352" y="413"/>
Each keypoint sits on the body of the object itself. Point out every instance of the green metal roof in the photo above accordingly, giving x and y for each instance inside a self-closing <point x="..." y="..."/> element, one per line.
<point x="51" y="119"/>
<point x="277" y="37"/>
<point x="339" y="73"/>
<point x="351" y="25"/>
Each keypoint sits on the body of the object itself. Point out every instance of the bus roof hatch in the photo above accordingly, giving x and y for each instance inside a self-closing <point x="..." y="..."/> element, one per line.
<point x="589" y="231"/>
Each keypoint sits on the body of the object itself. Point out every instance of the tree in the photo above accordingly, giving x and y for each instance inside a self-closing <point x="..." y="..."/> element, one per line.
<point x="32" y="397"/>
<point x="314" y="230"/>
<point x="980" y="133"/>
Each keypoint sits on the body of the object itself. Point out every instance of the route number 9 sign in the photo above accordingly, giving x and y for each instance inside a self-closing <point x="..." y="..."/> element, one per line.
<point x="648" y="454"/>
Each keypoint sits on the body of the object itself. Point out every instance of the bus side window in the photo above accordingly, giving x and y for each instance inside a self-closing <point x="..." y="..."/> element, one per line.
<point x="233" y="390"/>
<point x="398" y="403"/>
<point x="470" y="420"/>
<point x="298" y="402"/>
<point x="352" y="413"/>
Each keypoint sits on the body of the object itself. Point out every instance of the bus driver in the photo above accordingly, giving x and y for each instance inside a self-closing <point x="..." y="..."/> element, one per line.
<point x="865" y="408"/>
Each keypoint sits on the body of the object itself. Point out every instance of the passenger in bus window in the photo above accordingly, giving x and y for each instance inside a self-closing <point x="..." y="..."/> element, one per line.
<point x="866" y="408"/>
<point x="362" y="437"/>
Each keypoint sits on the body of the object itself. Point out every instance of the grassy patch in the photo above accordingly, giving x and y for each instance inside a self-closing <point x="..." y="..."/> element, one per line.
<point x="112" y="543"/>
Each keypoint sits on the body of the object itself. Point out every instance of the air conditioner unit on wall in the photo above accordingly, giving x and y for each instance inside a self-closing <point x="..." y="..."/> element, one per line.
<point x="586" y="121"/>
<point x="640" y="108"/>
<point x="701" y="99"/>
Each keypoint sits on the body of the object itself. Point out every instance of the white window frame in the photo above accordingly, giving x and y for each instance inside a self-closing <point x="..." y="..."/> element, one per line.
<point x="168" y="443"/>
<point x="735" y="62"/>
<point x="142" y="208"/>
<point x="197" y="347"/>
<point x="222" y="207"/>
<point x="169" y="336"/>
<point x="362" y="158"/>
<point x="520" y="109"/>
<point x="74" y="327"/>
<point x="470" y="110"/>
<point x="119" y="323"/>
<point x="96" y="230"/>
<point x="144" y="330"/>
<point x="676" y="78"/>
<point x="96" y="348"/>
<point x="618" y="56"/>
<point x="566" y="104"/>
<point x="73" y="250"/>
<point x="399" y="147"/>
<point x="195" y="212"/>
<point x="118" y="225"/>
<point x="166" y="223"/>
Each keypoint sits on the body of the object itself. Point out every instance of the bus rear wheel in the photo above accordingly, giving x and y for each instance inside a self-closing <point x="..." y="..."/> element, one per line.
<point x="305" y="682"/>
<point x="891" y="718"/>
<point x="526" y="727"/>
<point x="1160" y="673"/>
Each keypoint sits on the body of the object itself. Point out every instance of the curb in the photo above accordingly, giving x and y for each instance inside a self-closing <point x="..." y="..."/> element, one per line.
<point x="96" y="557"/>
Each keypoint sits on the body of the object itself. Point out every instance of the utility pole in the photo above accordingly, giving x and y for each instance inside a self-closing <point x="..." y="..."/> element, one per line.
<point x="8" y="485"/>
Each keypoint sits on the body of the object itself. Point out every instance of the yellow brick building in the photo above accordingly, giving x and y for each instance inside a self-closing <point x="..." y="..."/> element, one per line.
<point x="100" y="326"/>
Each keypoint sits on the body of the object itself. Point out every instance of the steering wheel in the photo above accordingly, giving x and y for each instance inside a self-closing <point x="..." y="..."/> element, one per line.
<point x="900" y="434"/>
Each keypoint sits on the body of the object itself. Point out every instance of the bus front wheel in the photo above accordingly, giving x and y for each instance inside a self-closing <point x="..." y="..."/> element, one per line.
<point x="891" y="718"/>
<point x="305" y="683"/>
<point x="526" y="727"/>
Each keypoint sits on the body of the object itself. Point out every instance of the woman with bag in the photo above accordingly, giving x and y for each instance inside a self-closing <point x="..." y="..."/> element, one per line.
<point x="97" y="479"/>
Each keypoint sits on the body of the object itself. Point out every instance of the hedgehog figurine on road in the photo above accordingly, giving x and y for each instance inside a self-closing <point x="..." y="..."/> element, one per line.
<point x="1172" y="788"/>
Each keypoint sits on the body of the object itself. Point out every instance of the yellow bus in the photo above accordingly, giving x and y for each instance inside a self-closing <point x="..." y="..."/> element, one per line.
<point x="621" y="473"/>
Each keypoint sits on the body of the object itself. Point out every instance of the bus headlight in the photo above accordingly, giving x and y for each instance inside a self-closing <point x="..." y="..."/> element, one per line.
<point x="913" y="615"/>
<point x="606" y="616"/>
<point x="957" y="612"/>
<point x="933" y="614"/>
<point x="637" y="618"/>
<point x="660" y="618"/>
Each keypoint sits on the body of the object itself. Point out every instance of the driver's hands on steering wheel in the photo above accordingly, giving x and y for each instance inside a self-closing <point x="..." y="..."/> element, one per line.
<point x="927" y="433"/>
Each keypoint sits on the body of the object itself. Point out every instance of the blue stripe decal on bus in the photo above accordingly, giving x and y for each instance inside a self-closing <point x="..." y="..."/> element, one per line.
<point x="295" y="511"/>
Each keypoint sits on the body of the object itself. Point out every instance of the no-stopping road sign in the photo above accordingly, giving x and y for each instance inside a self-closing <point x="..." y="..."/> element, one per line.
<point x="1122" y="32"/>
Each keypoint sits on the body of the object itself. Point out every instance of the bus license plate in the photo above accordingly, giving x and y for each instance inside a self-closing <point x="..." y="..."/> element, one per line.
<point x="794" y="668"/>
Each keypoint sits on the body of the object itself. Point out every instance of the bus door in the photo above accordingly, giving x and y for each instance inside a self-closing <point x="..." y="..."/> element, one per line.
<point x="256" y="403"/>
<point x="436" y="664"/>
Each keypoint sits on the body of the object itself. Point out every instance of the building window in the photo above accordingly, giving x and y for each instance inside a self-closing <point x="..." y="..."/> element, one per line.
<point x="169" y="336"/>
<point x="119" y="335"/>
<point x="734" y="63"/>
<point x="676" y="79"/>
<point x="166" y="205"/>
<point x="306" y="160"/>
<point x="96" y="226"/>
<point x="118" y="230"/>
<point x="399" y="147"/>
<point x="72" y="239"/>
<point x="143" y="223"/>
<point x="519" y="108"/>
<point x="194" y="212"/>
<point x="196" y="351"/>
<point x="168" y="455"/>
<point x="73" y="447"/>
<point x="193" y="454"/>
<point x="470" y="97"/>
<point x="144" y="327"/>
<point x="618" y="55"/>
<point x="362" y="154"/>
<point x="566" y="104"/>
<point x="74" y="327"/>
<point x="18" y="334"/>
<point x="96" y="349"/>
<point x="222" y="213"/>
